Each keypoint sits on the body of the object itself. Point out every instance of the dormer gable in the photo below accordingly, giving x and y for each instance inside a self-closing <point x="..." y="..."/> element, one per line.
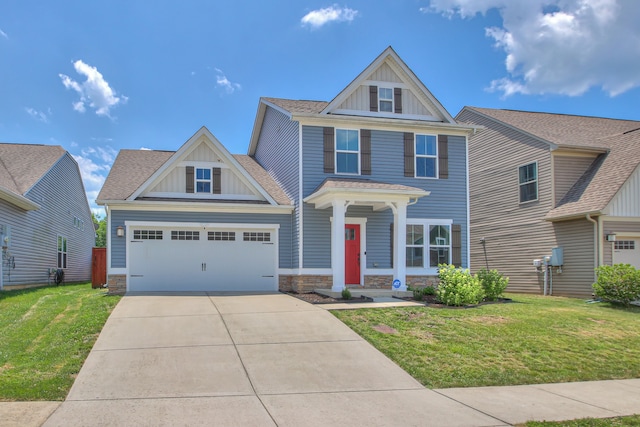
<point x="202" y="170"/>
<point x="388" y="88"/>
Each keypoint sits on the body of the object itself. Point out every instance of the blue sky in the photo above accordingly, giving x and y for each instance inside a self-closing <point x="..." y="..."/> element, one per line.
<point x="99" y="76"/>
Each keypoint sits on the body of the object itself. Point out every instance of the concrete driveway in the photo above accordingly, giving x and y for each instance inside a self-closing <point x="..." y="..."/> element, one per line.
<point x="248" y="360"/>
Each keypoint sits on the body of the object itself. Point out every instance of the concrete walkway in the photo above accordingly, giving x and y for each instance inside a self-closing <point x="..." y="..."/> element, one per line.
<point x="274" y="360"/>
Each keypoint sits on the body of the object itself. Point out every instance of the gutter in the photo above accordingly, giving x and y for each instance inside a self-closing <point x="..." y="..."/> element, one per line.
<point x="18" y="200"/>
<point x="596" y="246"/>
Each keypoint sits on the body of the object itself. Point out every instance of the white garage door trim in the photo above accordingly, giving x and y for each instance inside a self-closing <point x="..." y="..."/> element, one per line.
<point x="268" y="282"/>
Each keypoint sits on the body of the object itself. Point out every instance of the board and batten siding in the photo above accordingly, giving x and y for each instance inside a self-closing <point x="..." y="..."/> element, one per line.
<point x="118" y="218"/>
<point x="620" y="228"/>
<point x="277" y="152"/>
<point x="514" y="234"/>
<point x="566" y="172"/>
<point x="626" y="203"/>
<point x="34" y="234"/>
<point x="447" y="199"/>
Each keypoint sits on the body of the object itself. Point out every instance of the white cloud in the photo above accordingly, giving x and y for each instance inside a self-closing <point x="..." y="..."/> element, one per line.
<point x="223" y="82"/>
<point x="318" y="18"/>
<point x="560" y="46"/>
<point x="3" y="34"/>
<point x="94" y="92"/>
<point x="39" y="115"/>
<point x="94" y="163"/>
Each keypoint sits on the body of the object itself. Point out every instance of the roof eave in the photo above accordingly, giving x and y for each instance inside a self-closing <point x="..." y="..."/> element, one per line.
<point x="576" y="215"/>
<point x="18" y="200"/>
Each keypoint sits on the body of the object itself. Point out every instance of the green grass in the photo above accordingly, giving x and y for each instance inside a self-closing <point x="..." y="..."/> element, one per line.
<point x="45" y="336"/>
<point x="632" y="421"/>
<point x="533" y="340"/>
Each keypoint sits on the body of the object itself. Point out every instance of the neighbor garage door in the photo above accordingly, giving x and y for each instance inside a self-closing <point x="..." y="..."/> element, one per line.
<point x="626" y="250"/>
<point x="202" y="259"/>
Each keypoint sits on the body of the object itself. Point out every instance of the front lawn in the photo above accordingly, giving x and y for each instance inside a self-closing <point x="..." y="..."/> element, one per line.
<point x="532" y="340"/>
<point x="631" y="421"/>
<point x="45" y="336"/>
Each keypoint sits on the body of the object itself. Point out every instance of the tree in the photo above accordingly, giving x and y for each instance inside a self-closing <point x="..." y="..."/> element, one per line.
<point x="100" y="225"/>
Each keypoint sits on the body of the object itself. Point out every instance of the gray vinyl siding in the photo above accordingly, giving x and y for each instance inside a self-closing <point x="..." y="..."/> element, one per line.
<point x="118" y="217"/>
<point x="34" y="234"/>
<point x="619" y="228"/>
<point x="516" y="233"/>
<point x="447" y="199"/>
<point x="566" y="172"/>
<point x="277" y="151"/>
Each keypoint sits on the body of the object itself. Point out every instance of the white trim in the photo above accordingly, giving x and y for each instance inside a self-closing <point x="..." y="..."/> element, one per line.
<point x="335" y="152"/>
<point x="622" y="235"/>
<point x="362" y="222"/>
<point x="300" y="200"/>
<point x="306" y="271"/>
<point x="118" y="270"/>
<point x="18" y="200"/>
<point x="386" y="87"/>
<point x="200" y="225"/>
<point x="386" y="114"/>
<point x="520" y="202"/>
<point x="202" y="165"/>
<point x="425" y="156"/>
<point x="205" y="196"/>
<point x="145" y="205"/>
<point x="466" y="141"/>
<point x="381" y="83"/>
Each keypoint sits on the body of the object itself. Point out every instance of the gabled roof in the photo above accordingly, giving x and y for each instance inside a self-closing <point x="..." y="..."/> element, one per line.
<point x="135" y="170"/>
<point x="22" y="166"/>
<point x="617" y="141"/>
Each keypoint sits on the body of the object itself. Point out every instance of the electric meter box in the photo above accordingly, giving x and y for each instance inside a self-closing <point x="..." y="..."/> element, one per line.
<point x="557" y="256"/>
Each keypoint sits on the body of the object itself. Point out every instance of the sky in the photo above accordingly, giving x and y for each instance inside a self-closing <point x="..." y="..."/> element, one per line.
<point x="99" y="76"/>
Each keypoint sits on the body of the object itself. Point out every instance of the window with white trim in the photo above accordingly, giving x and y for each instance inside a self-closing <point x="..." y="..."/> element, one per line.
<point x="426" y="154"/>
<point x="428" y="238"/>
<point x="385" y="99"/>
<point x="203" y="180"/>
<point x="62" y="252"/>
<point x="348" y="151"/>
<point x="528" y="182"/>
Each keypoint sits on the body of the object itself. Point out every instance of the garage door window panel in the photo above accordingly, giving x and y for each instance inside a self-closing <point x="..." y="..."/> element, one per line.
<point x="185" y="235"/>
<point x="256" y="237"/>
<point x="224" y="236"/>
<point x="147" y="234"/>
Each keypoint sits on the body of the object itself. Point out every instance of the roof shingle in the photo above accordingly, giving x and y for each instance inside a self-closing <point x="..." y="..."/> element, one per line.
<point x="23" y="165"/>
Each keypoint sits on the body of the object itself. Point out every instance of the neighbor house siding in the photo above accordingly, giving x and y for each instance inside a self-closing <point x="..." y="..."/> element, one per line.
<point x="118" y="218"/>
<point x="278" y="152"/>
<point x="576" y="277"/>
<point x="34" y="234"/>
<point x="514" y="233"/>
<point x="566" y="172"/>
<point x="446" y="201"/>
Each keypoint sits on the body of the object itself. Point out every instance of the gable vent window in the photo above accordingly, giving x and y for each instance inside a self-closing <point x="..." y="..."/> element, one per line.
<point x="385" y="98"/>
<point x="203" y="180"/>
<point x="528" y="180"/>
<point x="147" y="234"/>
<point x="256" y="236"/>
<point x="185" y="235"/>
<point x="227" y="236"/>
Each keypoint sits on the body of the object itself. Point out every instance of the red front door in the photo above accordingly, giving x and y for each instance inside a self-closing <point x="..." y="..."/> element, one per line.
<point x="352" y="254"/>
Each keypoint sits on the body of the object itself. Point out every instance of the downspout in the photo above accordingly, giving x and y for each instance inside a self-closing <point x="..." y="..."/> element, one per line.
<point x="596" y="247"/>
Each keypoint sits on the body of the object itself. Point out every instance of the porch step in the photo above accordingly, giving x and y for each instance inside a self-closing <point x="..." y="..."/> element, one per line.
<point x="375" y="294"/>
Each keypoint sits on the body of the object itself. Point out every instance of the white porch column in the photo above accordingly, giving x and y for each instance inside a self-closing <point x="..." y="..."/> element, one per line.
<point x="400" y="245"/>
<point x="337" y="244"/>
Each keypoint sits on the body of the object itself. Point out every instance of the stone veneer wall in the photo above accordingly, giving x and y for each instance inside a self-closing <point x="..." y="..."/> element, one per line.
<point x="422" y="281"/>
<point x="117" y="284"/>
<point x="307" y="283"/>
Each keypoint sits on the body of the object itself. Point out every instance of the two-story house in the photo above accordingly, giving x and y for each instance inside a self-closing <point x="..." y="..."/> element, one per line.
<point x="369" y="189"/>
<point x="45" y="220"/>
<point x="553" y="196"/>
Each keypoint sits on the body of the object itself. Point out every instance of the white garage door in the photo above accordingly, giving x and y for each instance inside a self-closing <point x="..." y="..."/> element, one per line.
<point x="212" y="259"/>
<point x="626" y="251"/>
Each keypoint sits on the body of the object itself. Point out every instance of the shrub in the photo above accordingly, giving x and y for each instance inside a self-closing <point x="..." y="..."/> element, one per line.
<point x="346" y="293"/>
<point x="418" y="294"/>
<point x="429" y="290"/>
<point x="619" y="283"/>
<point x="493" y="283"/>
<point x="458" y="287"/>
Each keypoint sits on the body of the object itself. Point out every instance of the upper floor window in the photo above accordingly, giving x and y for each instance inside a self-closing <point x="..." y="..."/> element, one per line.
<point x="426" y="156"/>
<point x="203" y="180"/>
<point x="347" y="151"/>
<point x="385" y="99"/>
<point x="528" y="181"/>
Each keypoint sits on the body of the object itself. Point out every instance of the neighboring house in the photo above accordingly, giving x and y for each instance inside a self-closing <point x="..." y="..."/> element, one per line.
<point x="369" y="189"/>
<point x="540" y="181"/>
<point x="45" y="220"/>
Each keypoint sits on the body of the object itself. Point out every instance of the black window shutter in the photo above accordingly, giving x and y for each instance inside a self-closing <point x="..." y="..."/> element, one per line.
<point x="373" y="98"/>
<point x="328" y="150"/>
<point x="397" y="100"/>
<point x="365" y="152"/>
<point x="216" y="175"/>
<point x="443" y="156"/>
<point x="189" y="178"/>
<point x="456" y="245"/>
<point x="409" y="162"/>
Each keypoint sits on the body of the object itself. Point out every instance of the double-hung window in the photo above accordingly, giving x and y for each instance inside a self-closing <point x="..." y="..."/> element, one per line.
<point x="385" y="100"/>
<point x="528" y="181"/>
<point x="203" y="180"/>
<point x="62" y="252"/>
<point x="426" y="156"/>
<point x="428" y="244"/>
<point x="347" y="151"/>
